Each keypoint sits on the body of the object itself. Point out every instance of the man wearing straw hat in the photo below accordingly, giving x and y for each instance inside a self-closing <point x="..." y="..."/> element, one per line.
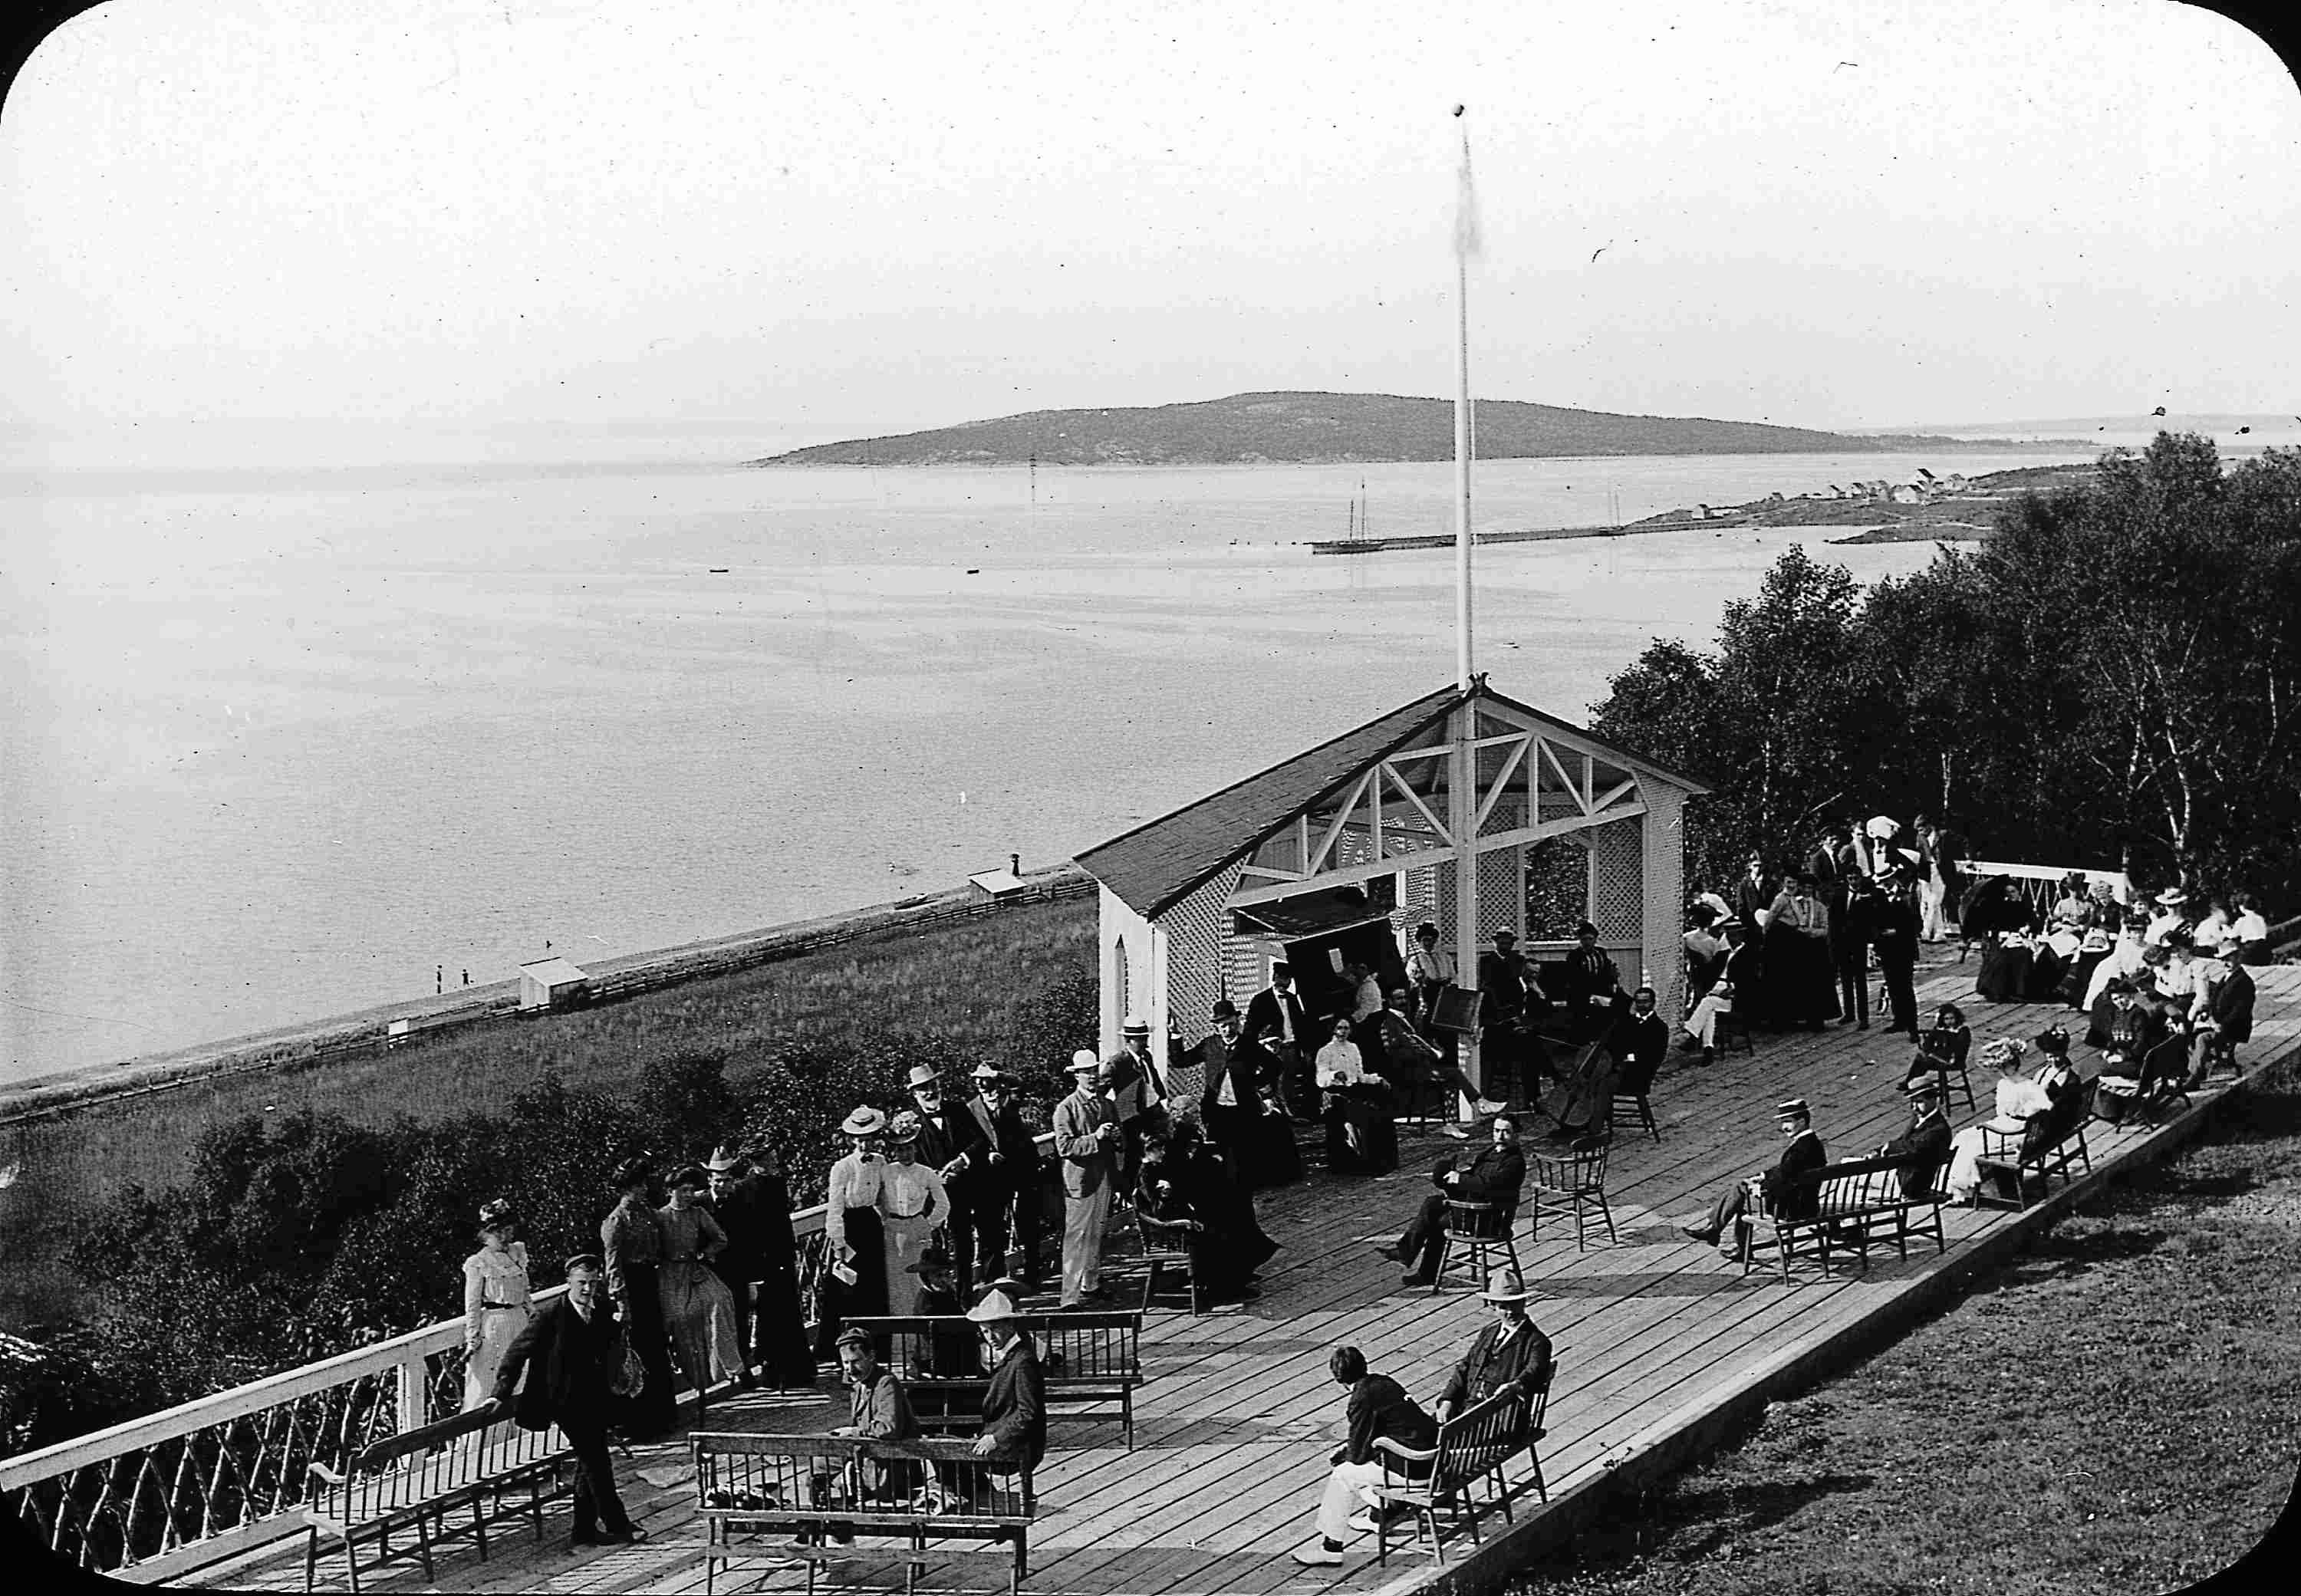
<point x="1004" y="1175"/>
<point x="1508" y="1350"/>
<point x="1014" y="1433"/>
<point x="951" y="1143"/>
<point x="1086" y="1139"/>
<point x="1802" y="1200"/>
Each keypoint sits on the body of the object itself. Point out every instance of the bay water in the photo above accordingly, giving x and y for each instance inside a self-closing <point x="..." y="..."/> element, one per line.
<point x="283" y="742"/>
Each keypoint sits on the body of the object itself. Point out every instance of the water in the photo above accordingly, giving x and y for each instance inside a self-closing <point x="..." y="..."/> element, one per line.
<point x="279" y="744"/>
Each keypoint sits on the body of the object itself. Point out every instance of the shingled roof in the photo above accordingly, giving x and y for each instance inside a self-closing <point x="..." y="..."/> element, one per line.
<point x="1160" y="862"/>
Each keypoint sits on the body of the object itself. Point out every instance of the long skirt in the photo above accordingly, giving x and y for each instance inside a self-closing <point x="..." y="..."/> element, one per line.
<point x="498" y="1328"/>
<point x="905" y="1240"/>
<point x="836" y="1301"/>
<point x="1800" y="980"/>
<point x="2004" y="974"/>
<point x="698" y="1310"/>
<point x="779" y="1327"/>
<point x="2071" y="988"/>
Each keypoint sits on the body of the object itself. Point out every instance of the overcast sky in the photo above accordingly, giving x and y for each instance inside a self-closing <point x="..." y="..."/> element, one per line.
<point x="897" y="215"/>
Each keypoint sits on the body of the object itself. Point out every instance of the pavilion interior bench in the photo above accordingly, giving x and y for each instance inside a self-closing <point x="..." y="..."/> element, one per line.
<point x="855" y="1499"/>
<point x="2053" y="1143"/>
<point x="1858" y="1204"/>
<point x="412" y="1480"/>
<point x="1092" y="1363"/>
<point x="1468" y="1455"/>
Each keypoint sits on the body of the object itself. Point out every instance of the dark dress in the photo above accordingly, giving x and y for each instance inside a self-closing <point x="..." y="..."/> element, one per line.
<point x="1800" y="980"/>
<point x="2004" y="974"/>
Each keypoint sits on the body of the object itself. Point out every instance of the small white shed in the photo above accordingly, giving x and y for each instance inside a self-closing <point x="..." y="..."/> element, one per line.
<point x="552" y="983"/>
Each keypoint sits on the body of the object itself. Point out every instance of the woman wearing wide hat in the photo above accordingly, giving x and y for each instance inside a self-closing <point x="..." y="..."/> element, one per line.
<point x="855" y="1269"/>
<point x="912" y="1204"/>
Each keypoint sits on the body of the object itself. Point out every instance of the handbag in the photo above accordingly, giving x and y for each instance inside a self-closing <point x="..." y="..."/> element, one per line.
<point x="630" y="1376"/>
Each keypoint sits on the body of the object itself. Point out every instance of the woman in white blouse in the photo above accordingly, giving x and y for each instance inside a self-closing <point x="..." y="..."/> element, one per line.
<point x="496" y="1306"/>
<point x="911" y="1203"/>
<point x="2018" y="1098"/>
<point x="852" y="1235"/>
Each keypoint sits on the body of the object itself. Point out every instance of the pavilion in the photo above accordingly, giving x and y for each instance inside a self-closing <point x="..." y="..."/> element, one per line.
<point x="1431" y="812"/>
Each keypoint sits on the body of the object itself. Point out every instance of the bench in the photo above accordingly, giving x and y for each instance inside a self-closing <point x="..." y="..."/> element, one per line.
<point x="1857" y="1203"/>
<point x="1470" y="1449"/>
<point x="2009" y="1158"/>
<point x="1092" y="1361"/>
<point x="835" y="1489"/>
<point x="411" y="1480"/>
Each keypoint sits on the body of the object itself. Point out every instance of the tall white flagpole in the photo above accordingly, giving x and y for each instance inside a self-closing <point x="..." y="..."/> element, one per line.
<point x="1463" y="809"/>
<point x="1466" y="244"/>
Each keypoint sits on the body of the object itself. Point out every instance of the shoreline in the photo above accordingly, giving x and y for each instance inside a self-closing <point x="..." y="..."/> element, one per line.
<point x="379" y="1028"/>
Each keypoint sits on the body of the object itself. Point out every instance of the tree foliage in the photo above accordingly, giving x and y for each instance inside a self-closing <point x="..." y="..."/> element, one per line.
<point x="2110" y="681"/>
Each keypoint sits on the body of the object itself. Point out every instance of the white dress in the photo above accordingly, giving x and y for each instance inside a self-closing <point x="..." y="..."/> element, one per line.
<point x="2018" y="1097"/>
<point x="496" y="1309"/>
<point x="911" y="1203"/>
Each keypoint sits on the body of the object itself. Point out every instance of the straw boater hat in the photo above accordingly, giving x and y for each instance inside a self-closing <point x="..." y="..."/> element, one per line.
<point x="996" y="1308"/>
<point x="1135" y="1025"/>
<point x="1795" y="1108"/>
<point x="1924" y="1089"/>
<point x="924" y="1075"/>
<point x="2231" y="949"/>
<point x="1083" y="1062"/>
<point x="722" y="1159"/>
<point x="1503" y="1285"/>
<point x="865" y="1120"/>
<point x="2172" y="898"/>
<point x="903" y="1129"/>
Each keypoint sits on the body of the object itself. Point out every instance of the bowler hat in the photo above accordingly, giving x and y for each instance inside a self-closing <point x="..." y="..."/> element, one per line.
<point x="1225" y="1009"/>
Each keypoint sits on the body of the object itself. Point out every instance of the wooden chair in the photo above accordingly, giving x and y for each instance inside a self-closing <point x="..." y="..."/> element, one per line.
<point x="1167" y="1245"/>
<point x="1472" y="1228"/>
<point x="2053" y="1143"/>
<point x="1563" y="1182"/>
<point x="1470" y="1449"/>
<point x="1734" y="1021"/>
<point x="1941" y="1066"/>
<point x="1630" y="1089"/>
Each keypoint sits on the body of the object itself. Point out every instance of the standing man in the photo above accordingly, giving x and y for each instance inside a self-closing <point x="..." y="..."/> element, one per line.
<point x="952" y="1144"/>
<point x="572" y="1352"/>
<point x="1783" y="1193"/>
<point x="1086" y="1139"/>
<point x="1851" y="928"/>
<point x="1234" y="1070"/>
<point x="1492" y="1174"/>
<point x="1276" y="1024"/>
<point x="1138" y="1096"/>
<point x="631" y="1237"/>
<point x="1506" y="1017"/>
<point x="1508" y="1350"/>
<point x="1938" y="849"/>
<point x="1004" y="1176"/>
<point x="1894" y="929"/>
<point x="1753" y="894"/>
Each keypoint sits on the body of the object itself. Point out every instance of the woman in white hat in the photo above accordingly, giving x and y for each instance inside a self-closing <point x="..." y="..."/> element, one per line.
<point x="853" y="1234"/>
<point x="496" y="1305"/>
<point x="912" y="1202"/>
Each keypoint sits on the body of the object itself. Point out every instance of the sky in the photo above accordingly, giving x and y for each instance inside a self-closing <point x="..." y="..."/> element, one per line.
<point x="469" y="213"/>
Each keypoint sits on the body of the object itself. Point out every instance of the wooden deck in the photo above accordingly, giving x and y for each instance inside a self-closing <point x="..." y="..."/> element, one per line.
<point x="1659" y="1343"/>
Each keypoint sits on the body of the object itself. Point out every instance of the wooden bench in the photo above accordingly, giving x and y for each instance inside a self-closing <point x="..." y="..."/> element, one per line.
<point x="1469" y="1451"/>
<point x="1092" y="1362"/>
<point x="410" y="1481"/>
<point x="836" y="1489"/>
<point x="1858" y="1202"/>
<point x="2009" y="1159"/>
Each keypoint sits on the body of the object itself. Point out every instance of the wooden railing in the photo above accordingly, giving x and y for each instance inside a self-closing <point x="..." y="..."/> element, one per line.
<point x="194" y="1484"/>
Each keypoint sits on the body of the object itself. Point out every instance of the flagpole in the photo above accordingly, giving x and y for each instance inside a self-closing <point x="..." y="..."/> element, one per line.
<point x="1465" y="241"/>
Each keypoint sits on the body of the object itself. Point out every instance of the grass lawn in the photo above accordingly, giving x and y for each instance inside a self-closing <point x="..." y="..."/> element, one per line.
<point x="956" y="986"/>
<point x="2115" y="1412"/>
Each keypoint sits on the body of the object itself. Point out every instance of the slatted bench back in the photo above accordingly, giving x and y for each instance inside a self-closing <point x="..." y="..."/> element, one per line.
<point x="1099" y="1350"/>
<point x="1476" y="1441"/>
<point x="801" y="1478"/>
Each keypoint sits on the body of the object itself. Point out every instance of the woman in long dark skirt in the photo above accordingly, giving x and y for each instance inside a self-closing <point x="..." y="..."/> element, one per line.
<point x="1801" y="977"/>
<point x="852" y="1232"/>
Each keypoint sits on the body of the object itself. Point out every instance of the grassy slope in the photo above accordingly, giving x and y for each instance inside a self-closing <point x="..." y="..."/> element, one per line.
<point x="2114" y="1412"/>
<point x="958" y="983"/>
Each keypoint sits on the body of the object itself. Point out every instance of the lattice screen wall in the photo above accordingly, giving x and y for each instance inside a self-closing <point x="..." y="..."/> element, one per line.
<point x="1502" y="892"/>
<point x="1665" y="895"/>
<point x="1617" y="885"/>
<point x="1197" y="932"/>
<point x="1426" y="892"/>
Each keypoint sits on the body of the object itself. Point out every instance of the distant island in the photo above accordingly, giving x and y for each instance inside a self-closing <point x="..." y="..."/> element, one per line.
<point x="1322" y="428"/>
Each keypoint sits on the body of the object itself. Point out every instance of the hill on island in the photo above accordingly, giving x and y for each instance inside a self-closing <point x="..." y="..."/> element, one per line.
<point x="1318" y="428"/>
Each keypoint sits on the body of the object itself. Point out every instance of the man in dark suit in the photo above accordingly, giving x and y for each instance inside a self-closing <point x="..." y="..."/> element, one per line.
<point x="1508" y="1351"/>
<point x="571" y="1352"/>
<point x="1753" y="894"/>
<point x="1779" y="1185"/>
<point x="951" y="1142"/>
<point x="1850" y="920"/>
<point x="1639" y="1042"/>
<point x="738" y="1205"/>
<point x="1923" y="1145"/>
<point x="1894" y="931"/>
<point x="2224" y="1018"/>
<point x="1004" y="1174"/>
<point x="1492" y="1173"/>
<point x="1276" y="1023"/>
<point x="1015" y="1407"/>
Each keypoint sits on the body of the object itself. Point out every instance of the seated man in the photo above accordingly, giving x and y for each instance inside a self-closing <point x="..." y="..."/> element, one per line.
<point x="1923" y="1145"/>
<point x="2224" y="1012"/>
<point x="1355" y="1104"/>
<point x="1738" y="977"/>
<point x="1014" y="1434"/>
<point x="1378" y="1408"/>
<point x="1510" y="1348"/>
<point x="1640" y="1042"/>
<point x="1492" y="1174"/>
<point x="1408" y="1056"/>
<point x="1803" y="1156"/>
<point x="878" y="1408"/>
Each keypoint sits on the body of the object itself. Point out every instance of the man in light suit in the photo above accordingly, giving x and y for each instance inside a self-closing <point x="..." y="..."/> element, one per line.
<point x="1086" y="1139"/>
